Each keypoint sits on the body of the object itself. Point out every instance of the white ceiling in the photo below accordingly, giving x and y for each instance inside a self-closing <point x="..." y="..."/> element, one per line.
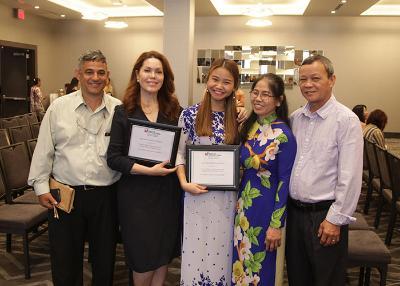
<point x="202" y="8"/>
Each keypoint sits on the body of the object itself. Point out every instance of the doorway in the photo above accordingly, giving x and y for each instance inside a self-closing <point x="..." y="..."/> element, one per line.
<point x="17" y="69"/>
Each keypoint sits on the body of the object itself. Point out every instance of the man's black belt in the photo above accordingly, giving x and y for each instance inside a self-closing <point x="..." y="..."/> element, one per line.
<point x="88" y="187"/>
<point x="311" y="207"/>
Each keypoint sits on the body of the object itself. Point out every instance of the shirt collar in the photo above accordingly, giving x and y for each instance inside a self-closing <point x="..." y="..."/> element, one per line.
<point x="322" y="111"/>
<point x="78" y="101"/>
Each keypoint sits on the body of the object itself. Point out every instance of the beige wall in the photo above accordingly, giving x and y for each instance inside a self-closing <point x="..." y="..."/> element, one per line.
<point x="364" y="50"/>
<point x="34" y="31"/>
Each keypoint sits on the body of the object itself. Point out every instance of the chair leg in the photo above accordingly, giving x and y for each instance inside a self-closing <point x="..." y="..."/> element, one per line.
<point x="8" y="242"/>
<point x="383" y="272"/>
<point x="26" y="256"/>
<point x="130" y="277"/>
<point x="361" y="276"/>
<point x="367" y="276"/>
<point x="379" y="211"/>
<point x="392" y="221"/>
<point x="369" y="195"/>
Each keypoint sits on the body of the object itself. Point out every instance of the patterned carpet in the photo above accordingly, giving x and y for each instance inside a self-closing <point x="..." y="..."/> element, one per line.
<point x="12" y="271"/>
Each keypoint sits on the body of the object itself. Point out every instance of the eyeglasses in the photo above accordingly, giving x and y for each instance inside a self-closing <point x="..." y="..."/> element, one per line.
<point x="263" y="95"/>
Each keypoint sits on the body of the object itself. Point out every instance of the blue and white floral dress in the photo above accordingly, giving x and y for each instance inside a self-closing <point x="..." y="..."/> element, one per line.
<point x="208" y="218"/>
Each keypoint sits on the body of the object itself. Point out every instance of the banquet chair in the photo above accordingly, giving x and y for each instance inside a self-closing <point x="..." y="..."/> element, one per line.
<point x="394" y="165"/>
<point x="9" y="122"/>
<point x="373" y="177"/>
<point x="15" y="164"/>
<point x="35" y="127"/>
<point x="31" y="118"/>
<point x="20" y="133"/>
<point x="385" y="193"/>
<point x="4" y="138"/>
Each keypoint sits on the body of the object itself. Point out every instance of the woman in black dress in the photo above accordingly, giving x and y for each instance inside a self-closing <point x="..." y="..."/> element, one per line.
<point x="148" y="197"/>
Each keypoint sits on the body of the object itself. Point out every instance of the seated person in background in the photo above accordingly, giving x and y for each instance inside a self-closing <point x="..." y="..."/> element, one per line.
<point x="376" y="122"/>
<point x="361" y="111"/>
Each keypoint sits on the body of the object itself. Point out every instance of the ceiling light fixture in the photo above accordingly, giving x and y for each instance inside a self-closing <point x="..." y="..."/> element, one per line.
<point x="62" y="15"/>
<point x="333" y="12"/>
<point x="257" y="22"/>
<point x="92" y="12"/>
<point x="97" y="16"/>
<point x="258" y="11"/>
<point x="36" y="7"/>
<point x="115" y="24"/>
<point x="343" y="1"/>
<point x="292" y="7"/>
<point x="116" y="2"/>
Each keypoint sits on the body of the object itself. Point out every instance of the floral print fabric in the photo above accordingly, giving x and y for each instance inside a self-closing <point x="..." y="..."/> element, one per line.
<point x="208" y="218"/>
<point x="267" y="158"/>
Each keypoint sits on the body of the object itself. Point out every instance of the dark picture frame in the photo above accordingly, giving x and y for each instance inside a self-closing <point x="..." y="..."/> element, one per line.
<point x="215" y="150"/>
<point x="156" y="132"/>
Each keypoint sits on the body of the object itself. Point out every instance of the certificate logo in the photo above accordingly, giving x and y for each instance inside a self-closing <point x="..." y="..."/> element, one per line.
<point x="151" y="132"/>
<point x="211" y="155"/>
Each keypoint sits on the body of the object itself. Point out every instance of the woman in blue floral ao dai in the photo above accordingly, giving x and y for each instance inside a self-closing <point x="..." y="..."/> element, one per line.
<point x="267" y="154"/>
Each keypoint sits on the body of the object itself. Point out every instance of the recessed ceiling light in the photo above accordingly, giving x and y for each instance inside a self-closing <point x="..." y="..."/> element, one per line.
<point x="62" y="16"/>
<point x="333" y="12"/>
<point x="258" y="11"/>
<point x="383" y="8"/>
<point x="97" y="16"/>
<point x="258" y="23"/>
<point x="292" y="7"/>
<point x="88" y="10"/>
<point x="36" y="7"/>
<point x="343" y="1"/>
<point x="115" y="24"/>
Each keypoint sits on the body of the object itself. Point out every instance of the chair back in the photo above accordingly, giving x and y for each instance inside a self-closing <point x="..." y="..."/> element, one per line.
<point x="15" y="164"/>
<point x="9" y="122"/>
<point x="35" y="127"/>
<point x="4" y="138"/>
<point x="22" y="120"/>
<point x="372" y="161"/>
<point x="394" y="165"/>
<point x="32" y="118"/>
<point x="365" y="158"/>
<point x="31" y="146"/>
<point x="384" y="172"/>
<point x="20" y="133"/>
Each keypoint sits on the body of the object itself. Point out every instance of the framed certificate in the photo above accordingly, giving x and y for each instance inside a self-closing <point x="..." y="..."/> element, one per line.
<point x="214" y="166"/>
<point x="152" y="143"/>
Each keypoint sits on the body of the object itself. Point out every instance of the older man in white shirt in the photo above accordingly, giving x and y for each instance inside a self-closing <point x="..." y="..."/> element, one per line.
<point x="71" y="148"/>
<point x="325" y="182"/>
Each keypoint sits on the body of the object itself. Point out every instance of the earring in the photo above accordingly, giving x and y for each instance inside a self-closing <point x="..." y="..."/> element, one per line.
<point x="137" y="80"/>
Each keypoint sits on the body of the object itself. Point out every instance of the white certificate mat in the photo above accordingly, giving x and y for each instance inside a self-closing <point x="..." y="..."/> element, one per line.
<point x="151" y="144"/>
<point x="212" y="167"/>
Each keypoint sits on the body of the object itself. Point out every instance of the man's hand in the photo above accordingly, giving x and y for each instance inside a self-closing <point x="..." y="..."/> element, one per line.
<point x="194" y="189"/>
<point x="47" y="201"/>
<point x="273" y="238"/>
<point x="328" y="233"/>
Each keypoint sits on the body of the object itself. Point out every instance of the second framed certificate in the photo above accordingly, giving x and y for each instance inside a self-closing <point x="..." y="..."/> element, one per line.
<point x="214" y="166"/>
<point x="152" y="143"/>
